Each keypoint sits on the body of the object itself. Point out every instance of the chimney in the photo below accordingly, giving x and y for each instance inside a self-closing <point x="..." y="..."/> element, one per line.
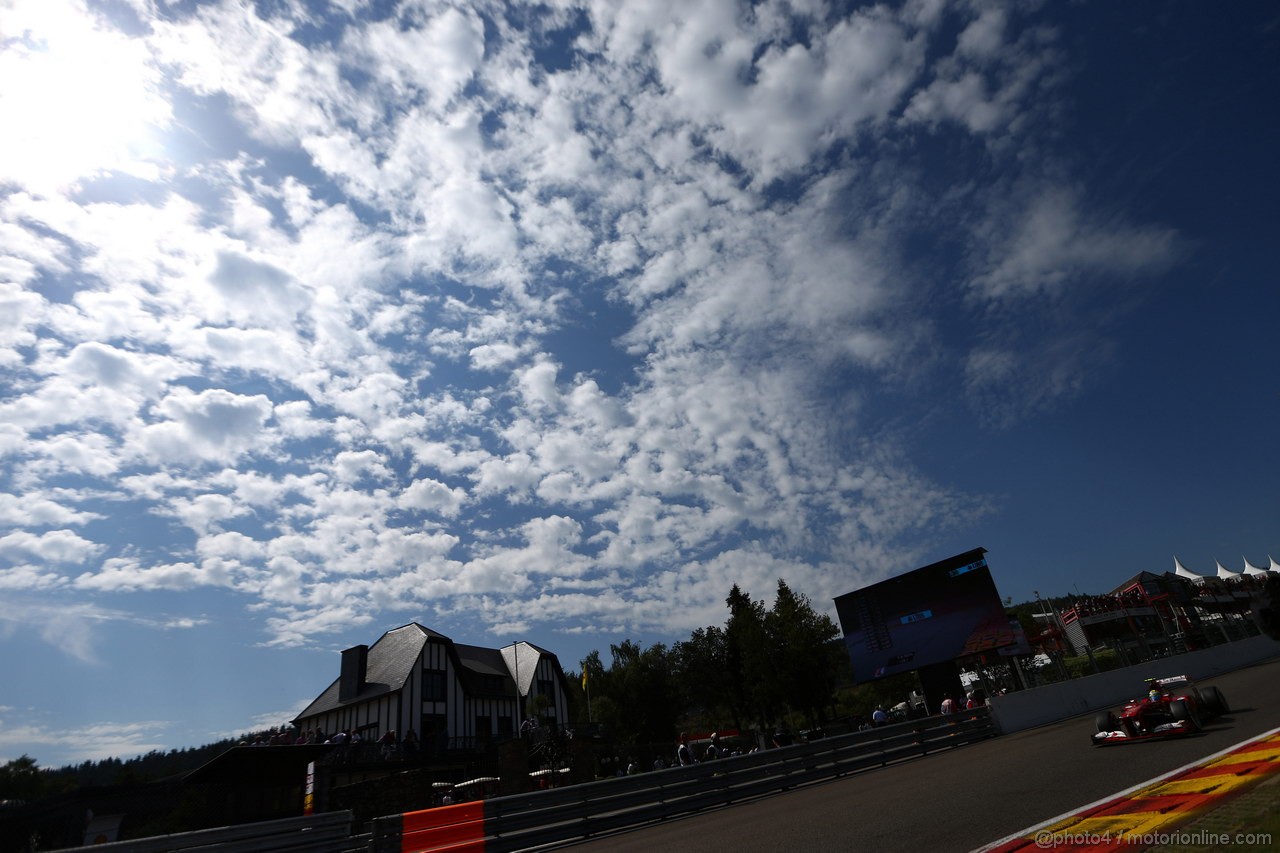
<point x="351" y="681"/>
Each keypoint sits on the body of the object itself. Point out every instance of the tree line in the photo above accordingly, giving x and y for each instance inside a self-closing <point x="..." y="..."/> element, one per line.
<point x="23" y="779"/>
<point x="764" y="668"/>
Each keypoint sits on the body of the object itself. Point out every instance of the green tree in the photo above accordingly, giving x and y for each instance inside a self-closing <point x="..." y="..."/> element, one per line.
<point x="641" y="684"/>
<point x="807" y="660"/>
<point x="749" y="662"/>
<point x="705" y="678"/>
<point x="21" y="779"/>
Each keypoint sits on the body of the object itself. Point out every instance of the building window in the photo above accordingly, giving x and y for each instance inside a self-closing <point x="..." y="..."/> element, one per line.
<point x="546" y="687"/>
<point x="435" y="733"/>
<point x="433" y="686"/>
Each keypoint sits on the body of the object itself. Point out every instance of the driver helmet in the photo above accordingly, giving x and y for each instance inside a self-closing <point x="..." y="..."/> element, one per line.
<point x="1154" y="695"/>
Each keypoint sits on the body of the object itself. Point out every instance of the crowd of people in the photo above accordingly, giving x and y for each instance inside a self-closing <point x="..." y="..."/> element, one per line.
<point x="390" y="744"/>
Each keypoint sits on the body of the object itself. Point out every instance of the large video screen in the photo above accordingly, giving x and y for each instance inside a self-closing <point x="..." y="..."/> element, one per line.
<point x="936" y="613"/>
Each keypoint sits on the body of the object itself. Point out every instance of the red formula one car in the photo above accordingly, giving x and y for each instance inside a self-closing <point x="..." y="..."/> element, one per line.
<point x="1173" y="706"/>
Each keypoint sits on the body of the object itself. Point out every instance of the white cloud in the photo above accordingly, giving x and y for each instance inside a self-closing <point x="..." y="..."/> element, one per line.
<point x="123" y="575"/>
<point x="432" y="55"/>
<point x="214" y="424"/>
<point x="420" y="323"/>
<point x="70" y="625"/>
<point x="351" y="466"/>
<point x="86" y="742"/>
<point x="432" y="496"/>
<point x="1053" y="242"/>
<point x="55" y="546"/>
<point x="32" y="510"/>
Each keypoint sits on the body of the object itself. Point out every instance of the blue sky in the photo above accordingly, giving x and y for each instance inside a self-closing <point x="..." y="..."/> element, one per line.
<point x="553" y="322"/>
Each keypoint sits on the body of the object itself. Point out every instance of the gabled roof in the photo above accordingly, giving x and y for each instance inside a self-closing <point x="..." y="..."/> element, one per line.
<point x="1140" y="578"/>
<point x="488" y="665"/>
<point x="522" y="659"/>
<point x="390" y="662"/>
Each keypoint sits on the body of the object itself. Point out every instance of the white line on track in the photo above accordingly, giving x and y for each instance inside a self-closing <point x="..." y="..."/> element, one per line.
<point x="1031" y="830"/>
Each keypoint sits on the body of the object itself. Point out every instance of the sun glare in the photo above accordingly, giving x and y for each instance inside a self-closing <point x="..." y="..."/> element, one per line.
<point x="77" y="98"/>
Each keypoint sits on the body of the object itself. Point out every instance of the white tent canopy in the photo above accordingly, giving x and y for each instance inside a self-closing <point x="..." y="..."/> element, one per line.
<point x="1251" y="569"/>
<point x="1225" y="573"/>
<point x="1183" y="572"/>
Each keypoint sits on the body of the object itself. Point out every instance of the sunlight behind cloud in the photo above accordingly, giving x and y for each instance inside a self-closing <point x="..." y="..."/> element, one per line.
<point x="76" y="99"/>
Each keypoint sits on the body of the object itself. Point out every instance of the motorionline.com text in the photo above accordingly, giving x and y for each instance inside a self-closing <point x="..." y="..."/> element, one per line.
<point x="1048" y="840"/>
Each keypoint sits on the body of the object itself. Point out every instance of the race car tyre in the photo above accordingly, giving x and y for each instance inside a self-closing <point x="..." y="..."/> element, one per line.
<point x="1182" y="711"/>
<point x="1106" y="721"/>
<point x="1215" y="702"/>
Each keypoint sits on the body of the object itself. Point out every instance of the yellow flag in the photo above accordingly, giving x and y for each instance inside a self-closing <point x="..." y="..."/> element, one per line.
<point x="584" y="679"/>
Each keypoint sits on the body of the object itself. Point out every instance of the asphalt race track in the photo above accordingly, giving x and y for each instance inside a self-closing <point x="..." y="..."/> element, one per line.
<point x="966" y="798"/>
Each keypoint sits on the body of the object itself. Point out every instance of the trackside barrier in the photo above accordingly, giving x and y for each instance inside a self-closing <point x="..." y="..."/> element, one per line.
<point x="329" y="832"/>
<point x="524" y="821"/>
<point x="458" y="829"/>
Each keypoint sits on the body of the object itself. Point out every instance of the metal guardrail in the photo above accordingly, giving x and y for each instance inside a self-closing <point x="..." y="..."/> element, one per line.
<point x="329" y="832"/>
<point x="524" y="821"/>
<point x="556" y="815"/>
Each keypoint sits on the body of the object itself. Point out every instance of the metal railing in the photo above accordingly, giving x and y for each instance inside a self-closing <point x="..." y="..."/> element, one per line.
<point x="524" y="821"/>
<point x="329" y="832"/>
<point x="555" y="815"/>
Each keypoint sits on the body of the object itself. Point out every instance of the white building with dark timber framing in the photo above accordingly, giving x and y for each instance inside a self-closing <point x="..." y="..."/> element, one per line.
<point x="451" y="696"/>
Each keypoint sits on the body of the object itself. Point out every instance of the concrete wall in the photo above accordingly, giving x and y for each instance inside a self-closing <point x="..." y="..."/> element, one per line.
<point x="1026" y="708"/>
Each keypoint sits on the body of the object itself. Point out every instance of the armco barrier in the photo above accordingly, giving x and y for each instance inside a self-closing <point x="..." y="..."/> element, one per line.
<point x="329" y="832"/>
<point x="458" y="828"/>
<point x="524" y="821"/>
<point x="1024" y="709"/>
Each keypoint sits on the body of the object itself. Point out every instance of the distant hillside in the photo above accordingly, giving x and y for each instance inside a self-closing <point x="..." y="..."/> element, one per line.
<point x="23" y="779"/>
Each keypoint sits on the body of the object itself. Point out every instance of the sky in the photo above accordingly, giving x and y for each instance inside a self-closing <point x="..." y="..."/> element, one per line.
<point x="552" y="322"/>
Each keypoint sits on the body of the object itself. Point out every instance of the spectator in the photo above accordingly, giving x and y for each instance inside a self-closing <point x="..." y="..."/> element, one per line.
<point x="410" y="744"/>
<point x="879" y="717"/>
<point x="388" y="744"/>
<point x="684" y="755"/>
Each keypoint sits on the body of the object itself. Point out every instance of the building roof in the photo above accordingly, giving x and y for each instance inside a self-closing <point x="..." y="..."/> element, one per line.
<point x="389" y="665"/>
<point x="391" y="660"/>
<point x="1140" y="578"/>
<point x="1225" y="573"/>
<point x="259" y="766"/>
<point x="522" y="659"/>
<point x="483" y="670"/>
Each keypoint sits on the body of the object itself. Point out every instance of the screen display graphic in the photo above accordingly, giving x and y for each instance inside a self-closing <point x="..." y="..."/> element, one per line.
<point x="936" y="613"/>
